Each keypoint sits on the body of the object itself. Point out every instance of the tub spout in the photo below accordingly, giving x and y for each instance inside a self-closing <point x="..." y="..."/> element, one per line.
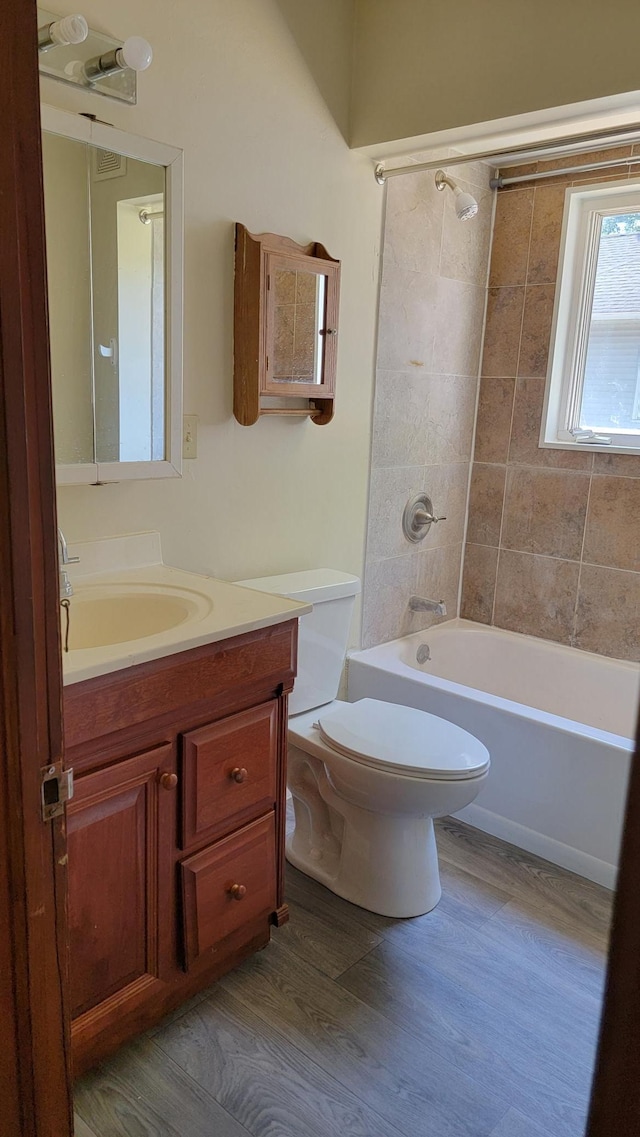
<point x="420" y="604"/>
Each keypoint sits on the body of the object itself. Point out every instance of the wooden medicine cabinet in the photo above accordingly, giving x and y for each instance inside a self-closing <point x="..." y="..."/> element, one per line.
<point x="285" y="328"/>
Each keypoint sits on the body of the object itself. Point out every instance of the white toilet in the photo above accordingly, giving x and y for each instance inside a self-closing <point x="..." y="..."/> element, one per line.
<point x="366" y="778"/>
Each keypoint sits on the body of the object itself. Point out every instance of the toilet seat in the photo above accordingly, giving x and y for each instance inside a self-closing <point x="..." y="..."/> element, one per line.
<point x="402" y="740"/>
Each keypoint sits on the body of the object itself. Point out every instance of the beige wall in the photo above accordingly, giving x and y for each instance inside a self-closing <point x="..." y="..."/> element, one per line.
<point x="229" y="86"/>
<point x="430" y="335"/>
<point x="553" y="537"/>
<point x="427" y="66"/>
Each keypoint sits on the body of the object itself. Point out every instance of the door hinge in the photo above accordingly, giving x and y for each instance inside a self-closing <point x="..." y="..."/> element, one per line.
<point x="56" y="789"/>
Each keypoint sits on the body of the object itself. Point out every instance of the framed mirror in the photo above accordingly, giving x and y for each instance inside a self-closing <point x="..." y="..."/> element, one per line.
<point x="114" y="230"/>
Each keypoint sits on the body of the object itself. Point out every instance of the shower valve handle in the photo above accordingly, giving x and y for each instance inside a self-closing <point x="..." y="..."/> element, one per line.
<point x="418" y="517"/>
<point x="423" y="518"/>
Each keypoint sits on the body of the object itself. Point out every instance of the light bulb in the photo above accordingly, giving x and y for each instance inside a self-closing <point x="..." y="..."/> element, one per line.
<point x="70" y="29"/>
<point x="61" y="33"/>
<point x="136" y="53"/>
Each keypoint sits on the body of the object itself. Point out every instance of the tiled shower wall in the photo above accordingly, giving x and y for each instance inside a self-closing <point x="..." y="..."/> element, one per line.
<point x="432" y="301"/>
<point x="553" y="540"/>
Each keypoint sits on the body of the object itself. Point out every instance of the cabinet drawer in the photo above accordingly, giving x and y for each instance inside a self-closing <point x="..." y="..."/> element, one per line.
<point x="229" y="773"/>
<point x="227" y="885"/>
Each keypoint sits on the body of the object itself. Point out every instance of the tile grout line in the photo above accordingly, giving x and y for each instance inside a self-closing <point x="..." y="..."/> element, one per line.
<point x="574" y="620"/>
<point x="472" y="456"/>
<point x="513" y="410"/>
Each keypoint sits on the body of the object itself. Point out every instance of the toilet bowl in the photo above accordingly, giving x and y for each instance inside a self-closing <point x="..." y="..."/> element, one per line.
<point x="366" y="778"/>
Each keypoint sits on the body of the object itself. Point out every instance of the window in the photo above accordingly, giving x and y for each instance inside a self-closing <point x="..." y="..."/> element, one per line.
<point x="593" y="385"/>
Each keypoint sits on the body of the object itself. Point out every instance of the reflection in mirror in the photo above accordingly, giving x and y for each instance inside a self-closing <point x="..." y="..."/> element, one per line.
<point x="104" y="218"/>
<point x="299" y="325"/>
<point x="69" y="273"/>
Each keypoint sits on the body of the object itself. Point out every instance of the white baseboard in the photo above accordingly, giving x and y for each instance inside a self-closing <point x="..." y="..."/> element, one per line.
<point x="555" y="851"/>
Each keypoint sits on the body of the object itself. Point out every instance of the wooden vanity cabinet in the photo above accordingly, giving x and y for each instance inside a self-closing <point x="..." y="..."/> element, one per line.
<point x="175" y="830"/>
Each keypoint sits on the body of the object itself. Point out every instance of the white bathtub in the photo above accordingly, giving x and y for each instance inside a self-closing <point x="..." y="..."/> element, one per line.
<point x="558" y="723"/>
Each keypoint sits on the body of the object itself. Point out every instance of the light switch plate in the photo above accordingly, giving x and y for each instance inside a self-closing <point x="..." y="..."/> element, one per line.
<point x="190" y="436"/>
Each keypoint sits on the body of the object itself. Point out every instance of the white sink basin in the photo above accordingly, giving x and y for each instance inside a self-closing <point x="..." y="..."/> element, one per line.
<point x="129" y="608"/>
<point x="100" y="615"/>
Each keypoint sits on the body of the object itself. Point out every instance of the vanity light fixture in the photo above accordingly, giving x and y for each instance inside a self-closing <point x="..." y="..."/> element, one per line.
<point x="72" y="52"/>
<point x="61" y="33"/>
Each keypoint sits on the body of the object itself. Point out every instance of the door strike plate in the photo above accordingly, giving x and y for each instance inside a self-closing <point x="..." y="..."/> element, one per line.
<point x="56" y="790"/>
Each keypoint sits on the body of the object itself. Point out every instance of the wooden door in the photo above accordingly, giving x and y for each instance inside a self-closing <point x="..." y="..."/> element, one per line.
<point x="121" y="847"/>
<point x="35" y="1096"/>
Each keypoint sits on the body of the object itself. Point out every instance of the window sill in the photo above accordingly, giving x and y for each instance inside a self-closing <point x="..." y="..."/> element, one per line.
<point x="589" y="447"/>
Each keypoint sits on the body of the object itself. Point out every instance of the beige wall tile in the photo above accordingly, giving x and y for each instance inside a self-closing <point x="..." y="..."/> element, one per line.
<point x="536" y="329"/>
<point x="390" y="491"/>
<point x="450" y="418"/>
<point x="608" y="616"/>
<point x="545" y="234"/>
<point x="626" y="465"/>
<point x="502" y="332"/>
<point x="545" y="522"/>
<point x="510" y="248"/>
<point x="479" y="586"/>
<point x="486" y="499"/>
<point x="458" y="337"/>
<point x="413" y="223"/>
<point x="447" y="487"/>
<point x="388" y="586"/>
<point x="524" y="448"/>
<point x="536" y="595"/>
<point x="544" y="512"/>
<point x="438" y="578"/>
<point x="408" y="316"/>
<point x="477" y="174"/>
<point x="493" y="422"/>
<point x="613" y="523"/>
<point x="423" y="420"/>
<point x="400" y="419"/>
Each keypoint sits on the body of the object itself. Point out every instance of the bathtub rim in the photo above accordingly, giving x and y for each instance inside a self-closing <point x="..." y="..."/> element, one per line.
<point x="475" y="694"/>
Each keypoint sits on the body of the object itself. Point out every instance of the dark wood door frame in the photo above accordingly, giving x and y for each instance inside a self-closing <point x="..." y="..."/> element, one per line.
<point x="615" y="1097"/>
<point x="35" y="1088"/>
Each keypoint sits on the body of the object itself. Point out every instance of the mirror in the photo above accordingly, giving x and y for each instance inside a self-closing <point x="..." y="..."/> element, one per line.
<point x="299" y="322"/>
<point x="114" y="251"/>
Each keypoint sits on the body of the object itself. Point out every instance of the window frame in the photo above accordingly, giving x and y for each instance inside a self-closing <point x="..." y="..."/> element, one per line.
<point x="584" y="208"/>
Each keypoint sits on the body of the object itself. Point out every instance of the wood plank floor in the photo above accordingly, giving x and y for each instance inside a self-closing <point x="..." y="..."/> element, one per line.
<point x="477" y="1020"/>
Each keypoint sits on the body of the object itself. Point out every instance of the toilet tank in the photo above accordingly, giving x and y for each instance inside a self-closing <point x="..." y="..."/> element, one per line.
<point x="323" y="634"/>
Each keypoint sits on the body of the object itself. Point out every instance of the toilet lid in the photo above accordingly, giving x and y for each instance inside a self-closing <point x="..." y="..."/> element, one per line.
<point x="403" y="740"/>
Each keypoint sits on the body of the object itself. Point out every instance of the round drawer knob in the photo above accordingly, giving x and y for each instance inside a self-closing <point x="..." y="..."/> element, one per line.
<point x="168" y="781"/>
<point x="238" y="891"/>
<point x="239" y="774"/>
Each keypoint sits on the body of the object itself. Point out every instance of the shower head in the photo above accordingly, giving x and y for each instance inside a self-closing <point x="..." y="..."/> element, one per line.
<point x="466" y="205"/>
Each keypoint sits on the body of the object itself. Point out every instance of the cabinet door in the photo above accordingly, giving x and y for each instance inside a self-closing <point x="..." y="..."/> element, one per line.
<point x="121" y="837"/>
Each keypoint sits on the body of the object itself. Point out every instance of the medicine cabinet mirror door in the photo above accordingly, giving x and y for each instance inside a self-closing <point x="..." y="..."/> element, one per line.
<point x="301" y="326"/>
<point x="114" y="230"/>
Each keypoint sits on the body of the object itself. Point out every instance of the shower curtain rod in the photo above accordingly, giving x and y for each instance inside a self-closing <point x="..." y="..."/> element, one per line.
<point x="557" y="147"/>
<point x="499" y="182"/>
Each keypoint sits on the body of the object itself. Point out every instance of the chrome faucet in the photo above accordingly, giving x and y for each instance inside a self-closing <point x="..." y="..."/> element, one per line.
<point x="66" y="588"/>
<point x="419" y="604"/>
